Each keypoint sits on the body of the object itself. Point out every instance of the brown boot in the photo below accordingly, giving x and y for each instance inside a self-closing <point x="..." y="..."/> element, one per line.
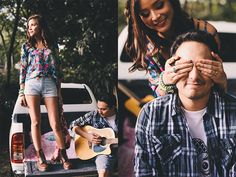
<point x="41" y="163"/>
<point x="64" y="159"/>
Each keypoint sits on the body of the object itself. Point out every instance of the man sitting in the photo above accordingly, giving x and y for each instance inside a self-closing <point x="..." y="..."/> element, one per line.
<point x="191" y="132"/>
<point x="104" y="116"/>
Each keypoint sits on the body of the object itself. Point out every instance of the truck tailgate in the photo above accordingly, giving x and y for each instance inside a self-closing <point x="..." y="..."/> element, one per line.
<point x="80" y="168"/>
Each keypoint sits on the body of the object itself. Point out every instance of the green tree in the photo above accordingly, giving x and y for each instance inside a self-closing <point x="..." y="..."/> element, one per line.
<point x="9" y="16"/>
<point x="87" y="30"/>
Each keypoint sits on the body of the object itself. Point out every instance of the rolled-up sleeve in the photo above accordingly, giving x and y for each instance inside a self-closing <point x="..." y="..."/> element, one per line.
<point x="83" y="120"/>
<point x="23" y="64"/>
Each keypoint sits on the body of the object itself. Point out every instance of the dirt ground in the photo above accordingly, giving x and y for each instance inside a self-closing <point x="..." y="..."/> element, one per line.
<point x="4" y="163"/>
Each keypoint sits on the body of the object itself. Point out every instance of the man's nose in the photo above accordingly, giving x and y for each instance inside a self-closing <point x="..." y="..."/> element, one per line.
<point x="99" y="111"/>
<point x="194" y="73"/>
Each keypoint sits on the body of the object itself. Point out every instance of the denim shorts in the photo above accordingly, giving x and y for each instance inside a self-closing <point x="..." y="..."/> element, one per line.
<point x="105" y="162"/>
<point x="43" y="86"/>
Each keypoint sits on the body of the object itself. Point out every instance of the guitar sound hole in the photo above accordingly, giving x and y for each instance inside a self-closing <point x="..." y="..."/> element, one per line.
<point x="98" y="148"/>
<point x="103" y="143"/>
<point x="101" y="147"/>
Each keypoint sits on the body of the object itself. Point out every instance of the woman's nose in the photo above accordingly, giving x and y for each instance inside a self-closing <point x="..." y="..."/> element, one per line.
<point x="155" y="16"/>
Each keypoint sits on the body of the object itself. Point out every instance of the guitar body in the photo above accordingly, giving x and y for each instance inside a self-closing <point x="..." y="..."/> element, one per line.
<point x="84" y="150"/>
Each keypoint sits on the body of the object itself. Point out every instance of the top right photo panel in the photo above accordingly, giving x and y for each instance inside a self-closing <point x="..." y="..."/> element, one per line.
<point x="177" y="87"/>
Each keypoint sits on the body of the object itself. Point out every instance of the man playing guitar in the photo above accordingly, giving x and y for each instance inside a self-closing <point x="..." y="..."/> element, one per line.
<point x="104" y="116"/>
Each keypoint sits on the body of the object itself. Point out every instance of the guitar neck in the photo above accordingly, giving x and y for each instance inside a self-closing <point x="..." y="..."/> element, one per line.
<point x="110" y="141"/>
<point x="127" y="92"/>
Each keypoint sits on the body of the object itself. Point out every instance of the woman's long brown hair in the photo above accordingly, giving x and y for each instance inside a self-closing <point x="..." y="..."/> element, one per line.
<point x="44" y="32"/>
<point x="139" y="34"/>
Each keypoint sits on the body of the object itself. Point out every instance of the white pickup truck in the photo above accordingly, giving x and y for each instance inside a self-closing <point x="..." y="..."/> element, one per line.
<point x="227" y="34"/>
<point x="78" y="99"/>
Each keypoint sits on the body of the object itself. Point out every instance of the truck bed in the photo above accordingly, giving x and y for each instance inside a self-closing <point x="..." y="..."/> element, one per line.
<point x="81" y="168"/>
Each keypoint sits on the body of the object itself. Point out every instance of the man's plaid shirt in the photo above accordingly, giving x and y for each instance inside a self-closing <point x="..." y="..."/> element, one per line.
<point x="92" y="118"/>
<point x="165" y="148"/>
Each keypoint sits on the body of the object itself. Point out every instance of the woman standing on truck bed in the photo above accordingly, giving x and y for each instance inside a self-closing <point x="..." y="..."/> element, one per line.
<point x="40" y="78"/>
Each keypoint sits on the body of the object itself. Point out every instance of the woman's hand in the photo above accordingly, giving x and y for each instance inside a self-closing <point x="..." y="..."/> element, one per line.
<point x="176" y="69"/>
<point x="213" y="69"/>
<point x="23" y="101"/>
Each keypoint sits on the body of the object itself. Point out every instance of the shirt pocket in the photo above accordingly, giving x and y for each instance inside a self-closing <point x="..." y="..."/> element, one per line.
<point x="228" y="151"/>
<point x="167" y="147"/>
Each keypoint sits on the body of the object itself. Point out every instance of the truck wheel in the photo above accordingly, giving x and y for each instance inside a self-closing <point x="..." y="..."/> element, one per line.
<point x="16" y="175"/>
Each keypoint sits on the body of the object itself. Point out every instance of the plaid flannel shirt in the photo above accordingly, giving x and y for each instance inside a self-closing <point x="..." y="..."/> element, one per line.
<point x="93" y="119"/>
<point x="164" y="146"/>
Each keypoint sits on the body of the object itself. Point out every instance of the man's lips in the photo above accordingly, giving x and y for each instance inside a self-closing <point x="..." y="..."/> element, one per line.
<point x="194" y="84"/>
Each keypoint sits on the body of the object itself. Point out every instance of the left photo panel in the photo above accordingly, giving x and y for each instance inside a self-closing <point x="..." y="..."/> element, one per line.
<point x="58" y="88"/>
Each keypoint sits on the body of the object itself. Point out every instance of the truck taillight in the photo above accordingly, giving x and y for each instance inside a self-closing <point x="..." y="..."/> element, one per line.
<point x="17" y="148"/>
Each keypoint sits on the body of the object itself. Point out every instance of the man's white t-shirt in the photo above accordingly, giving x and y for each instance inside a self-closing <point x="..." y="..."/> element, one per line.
<point x="112" y="122"/>
<point x="196" y="128"/>
<point x="195" y="123"/>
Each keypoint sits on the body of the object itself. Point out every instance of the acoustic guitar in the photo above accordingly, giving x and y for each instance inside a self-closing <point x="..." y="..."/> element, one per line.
<point x="86" y="150"/>
<point x="134" y="103"/>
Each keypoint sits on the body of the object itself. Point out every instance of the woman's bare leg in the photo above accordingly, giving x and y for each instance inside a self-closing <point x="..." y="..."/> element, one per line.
<point x="33" y="102"/>
<point x="51" y="104"/>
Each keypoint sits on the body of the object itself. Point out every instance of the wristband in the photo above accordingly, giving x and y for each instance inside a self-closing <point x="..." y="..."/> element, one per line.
<point x="21" y="92"/>
<point x="168" y="88"/>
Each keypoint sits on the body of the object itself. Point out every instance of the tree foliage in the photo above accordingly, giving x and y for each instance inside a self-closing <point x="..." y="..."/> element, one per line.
<point x="86" y="29"/>
<point x="218" y="10"/>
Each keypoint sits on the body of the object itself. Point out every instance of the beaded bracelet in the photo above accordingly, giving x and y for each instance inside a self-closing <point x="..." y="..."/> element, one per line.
<point x="168" y="88"/>
<point x="21" y="92"/>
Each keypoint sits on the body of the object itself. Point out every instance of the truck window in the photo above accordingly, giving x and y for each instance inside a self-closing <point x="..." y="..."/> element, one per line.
<point x="75" y="96"/>
<point x="124" y="57"/>
<point x="228" y="47"/>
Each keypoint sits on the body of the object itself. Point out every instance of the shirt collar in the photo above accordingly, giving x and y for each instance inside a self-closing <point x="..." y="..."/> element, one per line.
<point x="215" y="106"/>
<point x="175" y="104"/>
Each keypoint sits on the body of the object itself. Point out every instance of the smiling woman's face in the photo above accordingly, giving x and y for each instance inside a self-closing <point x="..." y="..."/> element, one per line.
<point x="33" y="27"/>
<point x="157" y="14"/>
<point x="195" y="85"/>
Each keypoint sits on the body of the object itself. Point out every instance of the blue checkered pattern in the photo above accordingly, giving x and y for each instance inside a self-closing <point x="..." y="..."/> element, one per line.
<point x="165" y="148"/>
<point x="93" y="119"/>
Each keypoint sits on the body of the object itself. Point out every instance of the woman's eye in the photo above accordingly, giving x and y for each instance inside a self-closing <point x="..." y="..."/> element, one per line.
<point x="34" y="24"/>
<point x="144" y="14"/>
<point x="159" y="5"/>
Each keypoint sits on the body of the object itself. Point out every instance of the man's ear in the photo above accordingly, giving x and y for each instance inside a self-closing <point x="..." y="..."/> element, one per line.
<point x="212" y="83"/>
<point x="113" y="108"/>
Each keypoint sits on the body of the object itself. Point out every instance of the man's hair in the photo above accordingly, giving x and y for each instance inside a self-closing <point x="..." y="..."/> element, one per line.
<point x="197" y="36"/>
<point x="109" y="99"/>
